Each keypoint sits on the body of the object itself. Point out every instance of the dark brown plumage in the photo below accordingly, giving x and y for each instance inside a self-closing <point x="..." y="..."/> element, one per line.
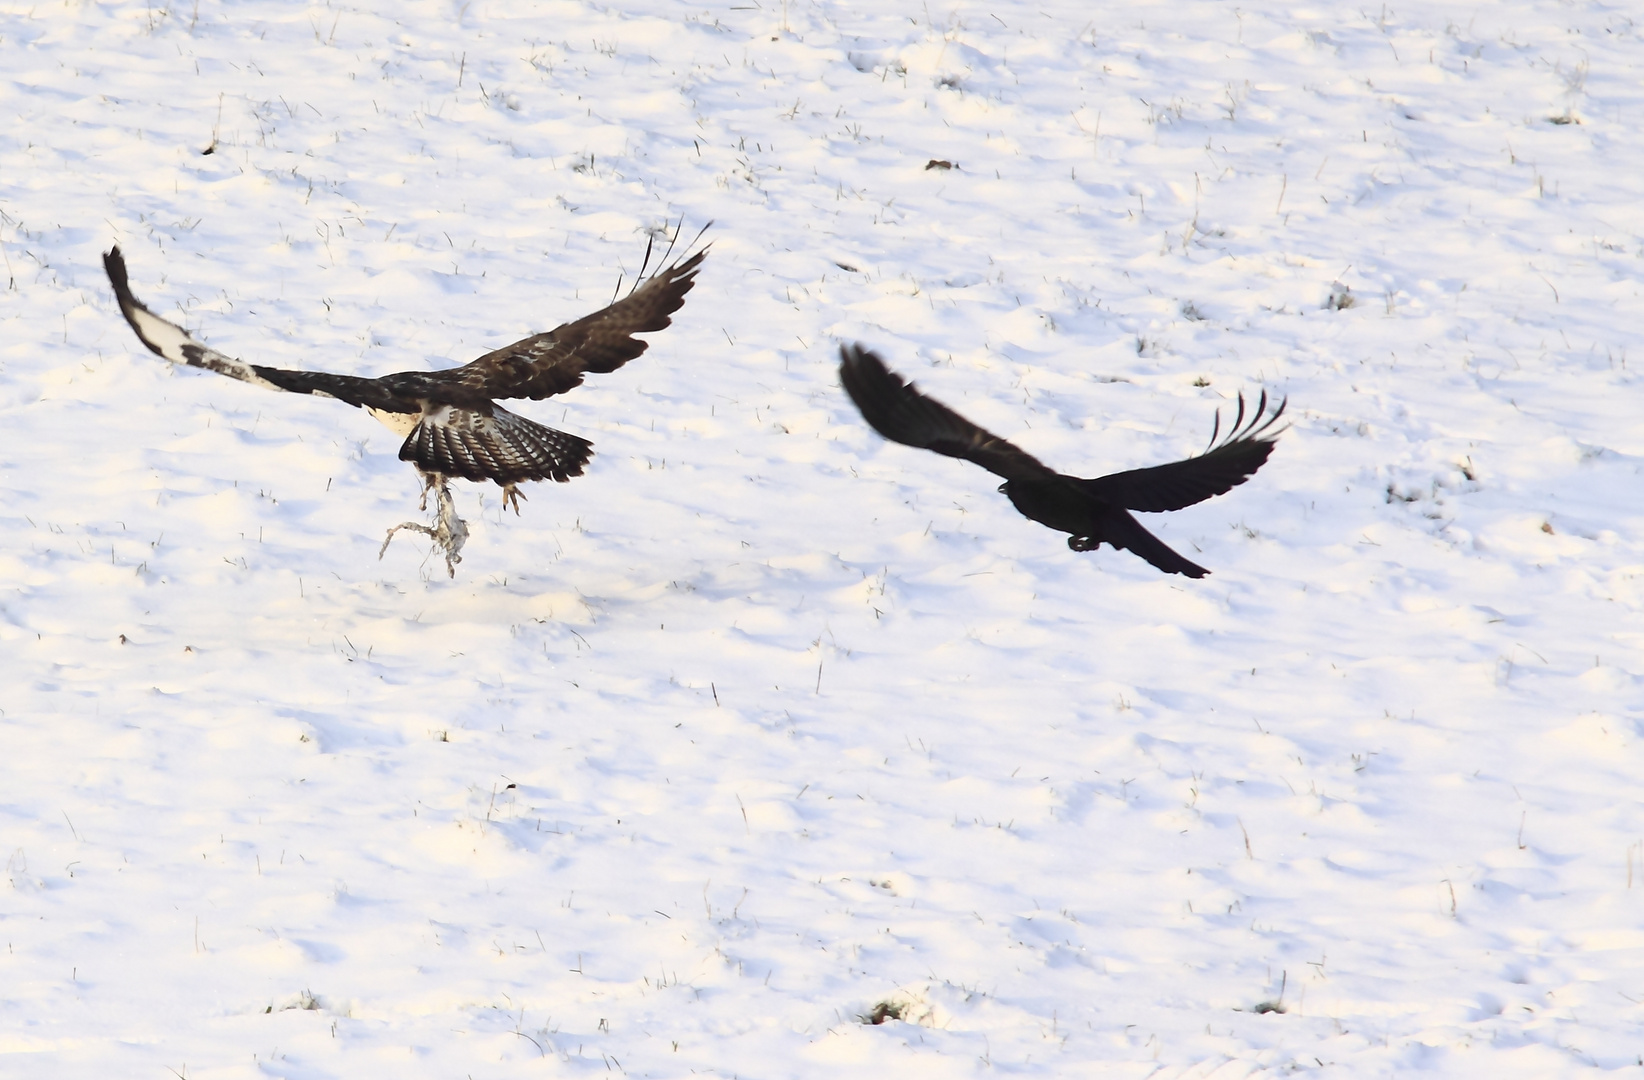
<point x="1093" y="512"/>
<point x="450" y="420"/>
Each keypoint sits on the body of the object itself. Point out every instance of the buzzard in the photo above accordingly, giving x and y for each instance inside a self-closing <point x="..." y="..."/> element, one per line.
<point x="450" y="419"/>
<point x="1092" y="511"/>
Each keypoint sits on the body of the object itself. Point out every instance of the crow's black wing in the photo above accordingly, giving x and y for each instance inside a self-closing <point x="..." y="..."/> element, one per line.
<point x="547" y="364"/>
<point x="899" y="412"/>
<point x="171" y="342"/>
<point x="1224" y="465"/>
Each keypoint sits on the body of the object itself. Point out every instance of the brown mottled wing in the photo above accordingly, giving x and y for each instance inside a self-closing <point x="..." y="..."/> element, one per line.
<point x="1223" y="466"/>
<point x="501" y="446"/>
<point x="552" y="363"/>
<point x="899" y="412"/>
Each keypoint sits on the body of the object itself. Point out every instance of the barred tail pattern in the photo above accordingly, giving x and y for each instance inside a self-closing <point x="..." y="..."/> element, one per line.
<point x="503" y="447"/>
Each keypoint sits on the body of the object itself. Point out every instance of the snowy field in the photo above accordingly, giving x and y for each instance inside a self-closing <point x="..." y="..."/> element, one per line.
<point x="765" y="726"/>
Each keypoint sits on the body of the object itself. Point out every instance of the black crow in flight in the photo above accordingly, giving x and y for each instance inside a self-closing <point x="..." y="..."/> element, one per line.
<point x="1092" y="511"/>
<point x="450" y="420"/>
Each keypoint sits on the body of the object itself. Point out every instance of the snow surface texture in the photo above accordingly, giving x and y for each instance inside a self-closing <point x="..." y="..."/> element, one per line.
<point x="766" y="725"/>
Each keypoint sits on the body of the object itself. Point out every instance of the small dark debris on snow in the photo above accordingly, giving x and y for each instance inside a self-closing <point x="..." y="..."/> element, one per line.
<point x="847" y="267"/>
<point x="885" y="1010"/>
<point x="938" y="163"/>
<point x="1395" y="495"/>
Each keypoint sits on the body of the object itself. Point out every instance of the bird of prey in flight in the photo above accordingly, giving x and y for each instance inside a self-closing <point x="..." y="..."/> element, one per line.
<point x="1095" y="511"/>
<point x="450" y="421"/>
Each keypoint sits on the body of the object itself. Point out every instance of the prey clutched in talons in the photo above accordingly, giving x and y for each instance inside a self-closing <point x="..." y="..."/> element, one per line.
<point x="449" y="531"/>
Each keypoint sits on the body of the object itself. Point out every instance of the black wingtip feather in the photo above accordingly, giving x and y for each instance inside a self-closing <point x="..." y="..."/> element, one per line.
<point x="874" y="389"/>
<point x="114" y="264"/>
<point x="877" y="392"/>
<point x="1260" y="428"/>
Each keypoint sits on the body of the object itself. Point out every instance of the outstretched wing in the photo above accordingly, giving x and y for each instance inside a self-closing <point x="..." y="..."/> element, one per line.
<point x="1223" y="466"/>
<point x="899" y="412"/>
<point x="502" y="446"/>
<point x="552" y="363"/>
<point x="171" y="342"/>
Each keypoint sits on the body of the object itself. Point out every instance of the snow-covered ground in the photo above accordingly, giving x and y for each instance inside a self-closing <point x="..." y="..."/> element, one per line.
<point x="765" y="724"/>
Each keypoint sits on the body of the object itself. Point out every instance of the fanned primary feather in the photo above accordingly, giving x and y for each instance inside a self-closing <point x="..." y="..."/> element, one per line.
<point x="1094" y="511"/>
<point x="451" y="422"/>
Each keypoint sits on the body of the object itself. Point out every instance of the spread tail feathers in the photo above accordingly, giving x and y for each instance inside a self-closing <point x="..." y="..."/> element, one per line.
<point x="504" y="447"/>
<point x="1125" y="533"/>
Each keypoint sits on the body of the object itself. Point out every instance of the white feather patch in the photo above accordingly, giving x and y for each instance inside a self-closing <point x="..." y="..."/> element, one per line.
<point x="173" y="343"/>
